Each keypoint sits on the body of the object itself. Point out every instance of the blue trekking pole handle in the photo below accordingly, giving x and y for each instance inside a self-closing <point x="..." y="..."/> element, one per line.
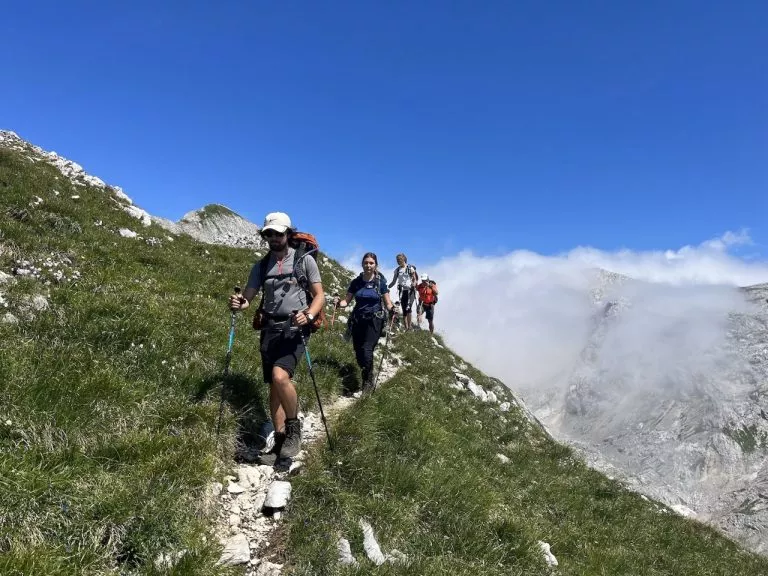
<point x="232" y="323"/>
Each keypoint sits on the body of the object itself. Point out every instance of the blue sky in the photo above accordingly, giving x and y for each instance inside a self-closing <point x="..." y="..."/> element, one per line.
<point x="428" y="127"/>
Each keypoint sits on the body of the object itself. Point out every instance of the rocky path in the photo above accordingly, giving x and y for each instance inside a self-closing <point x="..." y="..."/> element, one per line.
<point x="252" y="500"/>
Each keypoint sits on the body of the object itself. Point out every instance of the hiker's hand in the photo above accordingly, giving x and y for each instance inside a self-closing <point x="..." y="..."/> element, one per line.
<point x="341" y="304"/>
<point x="237" y="303"/>
<point x="301" y="319"/>
<point x="392" y="312"/>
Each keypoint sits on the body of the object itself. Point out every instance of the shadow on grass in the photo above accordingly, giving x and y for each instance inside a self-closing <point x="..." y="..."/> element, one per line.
<point x="348" y="373"/>
<point x="247" y="399"/>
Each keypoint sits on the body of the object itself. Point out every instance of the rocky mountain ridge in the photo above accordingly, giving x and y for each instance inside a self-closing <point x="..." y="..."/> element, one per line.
<point x="212" y="224"/>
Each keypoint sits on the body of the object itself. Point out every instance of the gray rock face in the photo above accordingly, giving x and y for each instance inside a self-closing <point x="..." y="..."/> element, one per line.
<point x="671" y="394"/>
<point x="216" y="224"/>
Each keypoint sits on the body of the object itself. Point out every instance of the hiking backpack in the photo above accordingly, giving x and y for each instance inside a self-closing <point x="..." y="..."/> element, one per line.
<point x="427" y="294"/>
<point x="304" y="244"/>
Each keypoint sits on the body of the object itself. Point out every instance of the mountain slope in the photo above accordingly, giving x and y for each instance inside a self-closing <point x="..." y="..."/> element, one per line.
<point x="669" y="393"/>
<point x="112" y="339"/>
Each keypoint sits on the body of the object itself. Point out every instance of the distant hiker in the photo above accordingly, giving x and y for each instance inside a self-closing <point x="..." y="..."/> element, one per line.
<point x="406" y="279"/>
<point x="281" y="344"/>
<point x="367" y="318"/>
<point x="427" y="290"/>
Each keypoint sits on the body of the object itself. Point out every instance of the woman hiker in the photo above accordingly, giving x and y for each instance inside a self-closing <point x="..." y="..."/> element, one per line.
<point x="367" y="318"/>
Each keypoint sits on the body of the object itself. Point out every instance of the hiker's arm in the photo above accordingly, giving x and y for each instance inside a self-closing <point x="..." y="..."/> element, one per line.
<point x="242" y="301"/>
<point x="394" y="278"/>
<point x="347" y="300"/>
<point x="388" y="301"/>
<point x="318" y="298"/>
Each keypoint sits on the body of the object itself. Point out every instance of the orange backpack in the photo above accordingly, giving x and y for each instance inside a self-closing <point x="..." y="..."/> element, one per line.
<point x="426" y="294"/>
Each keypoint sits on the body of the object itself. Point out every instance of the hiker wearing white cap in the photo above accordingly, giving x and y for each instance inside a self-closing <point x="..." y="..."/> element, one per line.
<point x="406" y="278"/>
<point x="285" y="310"/>
<point x="427" y="290"/>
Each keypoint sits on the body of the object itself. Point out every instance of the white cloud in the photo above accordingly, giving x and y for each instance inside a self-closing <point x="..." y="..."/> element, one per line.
<point x="526" y="318"/>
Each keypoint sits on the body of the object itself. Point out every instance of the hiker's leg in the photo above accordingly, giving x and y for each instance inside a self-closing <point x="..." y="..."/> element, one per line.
<point x="276" y="409"/>
<point x="358" y="340"/>
<point x="284" y="393"/>
<point x="431" y="317"/>
<point x="372" y="333"/>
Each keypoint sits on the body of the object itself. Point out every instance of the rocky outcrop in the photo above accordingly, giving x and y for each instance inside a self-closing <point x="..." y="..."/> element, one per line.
<point x="216" y="224"/>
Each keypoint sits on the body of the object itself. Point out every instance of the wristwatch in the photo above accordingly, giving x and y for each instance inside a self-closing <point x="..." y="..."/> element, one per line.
<point x="310" y="317"/>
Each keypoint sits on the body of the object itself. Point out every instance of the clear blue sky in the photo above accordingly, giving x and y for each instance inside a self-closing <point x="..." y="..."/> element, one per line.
<point x="427" y="126"/>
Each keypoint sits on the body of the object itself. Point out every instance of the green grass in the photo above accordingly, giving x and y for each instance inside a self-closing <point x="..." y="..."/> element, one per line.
<point x="748" y="438"/>
<point x="109" y="400"/>
<point x="418" y="460"/>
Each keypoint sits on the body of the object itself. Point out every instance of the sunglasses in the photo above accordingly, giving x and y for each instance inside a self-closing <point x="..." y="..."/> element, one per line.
<point x="272" y="233"/>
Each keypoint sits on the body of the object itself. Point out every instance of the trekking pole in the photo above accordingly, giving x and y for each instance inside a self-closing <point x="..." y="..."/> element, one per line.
<point x="335" y="307"/>
<point x="227" y="362"/>
<point x="386" y="349"/>
<point x="314" y="383"/>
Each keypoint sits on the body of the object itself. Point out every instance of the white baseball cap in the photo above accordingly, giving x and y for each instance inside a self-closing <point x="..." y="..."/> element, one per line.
<point x="277" y="221"/>
<point x="424" y="277"/>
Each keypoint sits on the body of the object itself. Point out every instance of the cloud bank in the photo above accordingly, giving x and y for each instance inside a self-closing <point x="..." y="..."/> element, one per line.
<point x="526" y="318"/>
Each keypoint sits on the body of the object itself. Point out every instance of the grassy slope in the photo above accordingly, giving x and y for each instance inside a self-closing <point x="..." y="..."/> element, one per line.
<point x="418" y="460"/>
<point x="112" y="395"/>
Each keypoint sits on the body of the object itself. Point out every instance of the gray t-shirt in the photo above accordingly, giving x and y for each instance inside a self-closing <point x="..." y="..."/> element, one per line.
<point x="283" y="295"/>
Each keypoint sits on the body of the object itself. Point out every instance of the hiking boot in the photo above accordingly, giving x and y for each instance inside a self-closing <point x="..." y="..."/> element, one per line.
<point x="270" y="457"/>
<point x="292" y="444"/>
<point x="368" y="382"/>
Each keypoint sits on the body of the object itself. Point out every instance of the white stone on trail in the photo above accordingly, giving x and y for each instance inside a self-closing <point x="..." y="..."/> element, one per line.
<point x="248" y="476"/>
<point x="5" y="278"/>
<point x="75" y="197"/>
<point x="126" y="233"/>
<point x="345" y="553"/>
<point x="504" y="407"/>
<point x="491" y="397"/>
<point x="235" y="488"/>
<point x="549" y="558"/>
<point x="504" y="459"/>
<point x="236" y="551"/>
<point x="372" y="549"/>
<point x="278" y="494"/>
<point x="266" y="568"/>
<point x="342" y="319"/>
<point x="436" y="343"/>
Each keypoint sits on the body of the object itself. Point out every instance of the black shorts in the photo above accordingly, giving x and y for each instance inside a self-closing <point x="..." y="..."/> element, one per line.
<point x="430" y="310"/>
<point x="406" y="299"/>
<point x="280" y="349"/>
